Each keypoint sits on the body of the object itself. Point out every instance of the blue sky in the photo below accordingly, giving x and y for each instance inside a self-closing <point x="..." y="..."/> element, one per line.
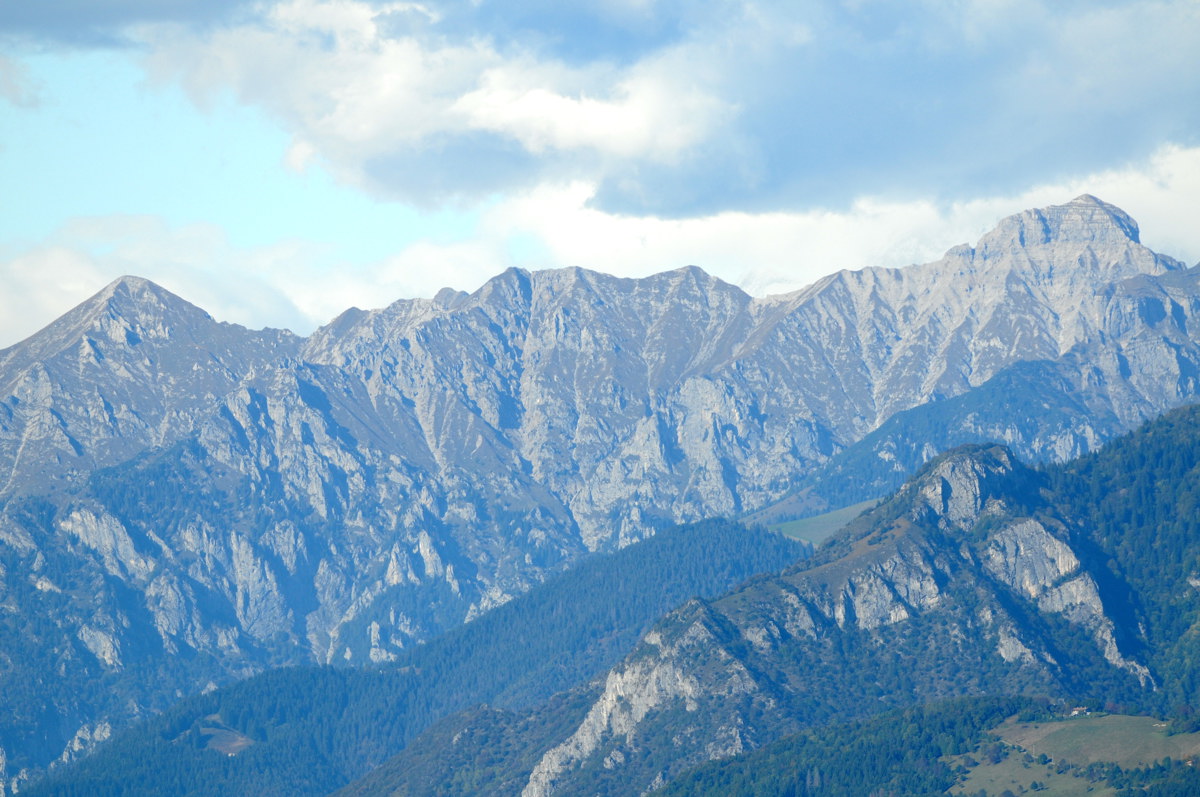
<point x="278" y="162"/>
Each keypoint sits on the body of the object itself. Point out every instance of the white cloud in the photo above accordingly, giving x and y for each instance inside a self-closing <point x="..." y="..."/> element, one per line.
<point x="782" y="251"/>
<point x="42" y="284"/>
<point x="354" y="94"/>
<point x="769" y="142"/>
<point x="678" y="108"/>
<point x="326" y="70"/>
<point x="648" y="114"/>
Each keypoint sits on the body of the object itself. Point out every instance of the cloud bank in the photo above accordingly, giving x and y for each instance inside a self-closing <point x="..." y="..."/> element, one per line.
<point x="681" y="109"/>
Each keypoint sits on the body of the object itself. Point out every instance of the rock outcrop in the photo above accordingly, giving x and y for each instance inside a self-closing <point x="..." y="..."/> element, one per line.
<point x="963" y="583"/>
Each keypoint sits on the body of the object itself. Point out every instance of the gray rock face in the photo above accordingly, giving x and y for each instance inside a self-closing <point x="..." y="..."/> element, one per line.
<point x="132" y="368"/>
<point x="662" y="674"/>
<point x="173" y="485"/>
<point x="943" y="590"/>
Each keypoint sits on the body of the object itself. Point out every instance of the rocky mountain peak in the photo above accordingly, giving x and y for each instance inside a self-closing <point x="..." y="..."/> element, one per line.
<point x="139" y="288"/>
<point x="1092" y="219"/>
<point x="140" y="305"/>
<point x="123" y="314"/>
<point x="1083" y="220"/>
<point x="985" y="460"/>
<point x="512" y="287"/>
<point x="132" y="297"/>
<point x="959" y="486"/>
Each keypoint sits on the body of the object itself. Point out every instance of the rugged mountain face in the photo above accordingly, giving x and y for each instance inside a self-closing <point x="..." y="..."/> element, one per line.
<point x="174" y="487"/>
<point x="309" y="731"/>
<point x="966" y="582"/>
<point x="130" y="369"/>
<point x="1045" y="409"/>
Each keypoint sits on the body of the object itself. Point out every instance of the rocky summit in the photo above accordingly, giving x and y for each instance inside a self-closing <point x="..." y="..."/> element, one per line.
<point x="184" y="501"/>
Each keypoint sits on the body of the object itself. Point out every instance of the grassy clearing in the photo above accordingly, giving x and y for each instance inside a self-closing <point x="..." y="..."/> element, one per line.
<point x="220" y="737"/>
<point x="1018" y="776"/>
<point x="816" y="529"/>
<point x="1069" y="746"/>
<point x="1128" y="741"/>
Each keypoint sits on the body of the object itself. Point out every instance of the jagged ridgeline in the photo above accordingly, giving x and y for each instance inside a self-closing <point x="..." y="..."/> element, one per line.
<point x="311" y="730"/>
<point x="184" y="503"/>
<point x="1075" y="583"/>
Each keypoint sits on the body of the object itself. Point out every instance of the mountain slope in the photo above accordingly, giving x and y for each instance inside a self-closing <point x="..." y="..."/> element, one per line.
<point x="966" y="582"/>
<point x="980" y="576"/>
<point x="1051" y="409"/>
<point x="204" y="501"/>
<point x="311" y="730"/>
<point x="131" y="368"/>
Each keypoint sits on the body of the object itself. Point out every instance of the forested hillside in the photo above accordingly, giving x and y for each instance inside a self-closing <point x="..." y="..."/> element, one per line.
<point x="1137" y="506"/>
<point x="928" y="750"/>
<point x="310" y="730"/>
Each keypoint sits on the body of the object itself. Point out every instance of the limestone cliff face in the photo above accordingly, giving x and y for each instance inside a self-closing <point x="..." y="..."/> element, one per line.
<point x="662" y="673"/>
<point x="132" y="368"/>
<point x="1032" y="561"/>
<point x="174" y="485"/>
<point x="960" y="583"/>
<point x="1131" y="356"/>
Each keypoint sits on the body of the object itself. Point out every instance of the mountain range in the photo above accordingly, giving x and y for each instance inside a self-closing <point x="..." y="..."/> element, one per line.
<point x="1075" y="583"/>
<point x="980" y="590"/>
<point x="187" y="502"/>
